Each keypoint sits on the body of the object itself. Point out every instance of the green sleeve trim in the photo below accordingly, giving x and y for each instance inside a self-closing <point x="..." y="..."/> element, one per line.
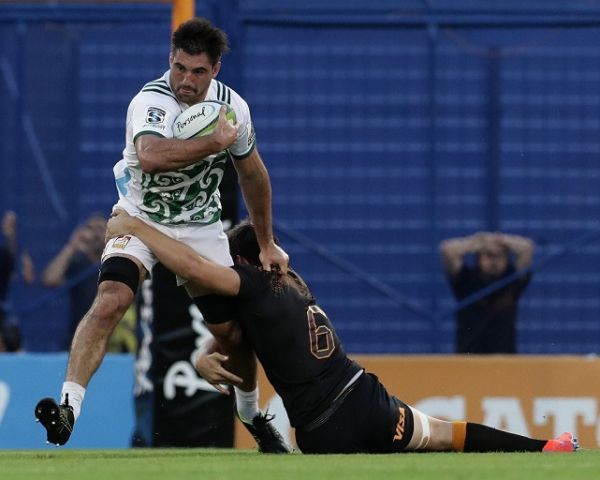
<point x="147" y="132"/>
<point x="245" y="155"/>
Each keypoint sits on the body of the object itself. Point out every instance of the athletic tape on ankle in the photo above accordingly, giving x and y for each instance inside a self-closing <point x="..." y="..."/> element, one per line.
<point x="421" y="431"/>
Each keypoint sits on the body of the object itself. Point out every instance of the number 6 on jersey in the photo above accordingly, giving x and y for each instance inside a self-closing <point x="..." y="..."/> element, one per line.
<point x="322" y="342"/>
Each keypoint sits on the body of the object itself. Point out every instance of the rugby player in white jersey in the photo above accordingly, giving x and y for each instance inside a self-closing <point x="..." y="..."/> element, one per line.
<point x="173" y="184"/>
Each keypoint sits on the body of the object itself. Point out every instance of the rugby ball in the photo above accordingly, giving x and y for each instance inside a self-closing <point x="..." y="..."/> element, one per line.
<point x="200" y="119"/>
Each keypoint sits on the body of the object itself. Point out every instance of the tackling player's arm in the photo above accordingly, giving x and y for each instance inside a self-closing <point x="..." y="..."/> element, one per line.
<point x="256" y="189"/>
<point x="159" y="154"/>
<point x="176" y="256"/>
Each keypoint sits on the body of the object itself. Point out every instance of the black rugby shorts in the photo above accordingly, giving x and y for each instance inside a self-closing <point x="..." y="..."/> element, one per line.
<point x="369" y="420"/>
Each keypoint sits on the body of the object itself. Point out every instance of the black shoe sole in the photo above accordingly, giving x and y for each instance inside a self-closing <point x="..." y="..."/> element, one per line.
<point x="47" y="412"/>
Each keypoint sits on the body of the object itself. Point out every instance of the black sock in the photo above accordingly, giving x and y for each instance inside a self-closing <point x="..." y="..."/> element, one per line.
<point x="480" y="438"/>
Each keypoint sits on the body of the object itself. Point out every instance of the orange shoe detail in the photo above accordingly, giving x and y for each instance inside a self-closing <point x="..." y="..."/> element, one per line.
<point x="565" y="443"/>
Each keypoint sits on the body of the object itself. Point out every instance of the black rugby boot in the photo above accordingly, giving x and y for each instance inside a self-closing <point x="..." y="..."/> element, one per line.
<point x="58" y="420"/>
<point x="267" y="437"/>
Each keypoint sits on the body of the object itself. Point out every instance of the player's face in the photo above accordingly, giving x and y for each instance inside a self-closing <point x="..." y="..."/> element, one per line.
<point x="493" y="260"/>
<point x="191" y="75"/>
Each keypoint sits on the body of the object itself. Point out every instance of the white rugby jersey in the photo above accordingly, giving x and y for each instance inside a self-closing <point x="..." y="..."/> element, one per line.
<point x="190" y="194"/>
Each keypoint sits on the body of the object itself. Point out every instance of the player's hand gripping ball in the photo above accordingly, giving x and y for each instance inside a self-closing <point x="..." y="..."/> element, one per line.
<point x="201" y="119"/>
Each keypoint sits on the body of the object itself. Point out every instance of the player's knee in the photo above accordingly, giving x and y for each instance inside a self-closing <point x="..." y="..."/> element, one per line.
<point x="111" y="303"/>
<point x="122" y="270"/>
<point x="117" y="284"/>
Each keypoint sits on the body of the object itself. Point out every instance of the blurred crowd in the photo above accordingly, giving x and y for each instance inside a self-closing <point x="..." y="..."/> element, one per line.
<point x="75" y="266"/>
<point x="488" y="324"/>
<point x="14" y="262"/>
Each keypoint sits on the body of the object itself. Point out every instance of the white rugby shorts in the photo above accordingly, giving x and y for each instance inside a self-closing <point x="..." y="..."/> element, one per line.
<point x="209" y="241"/>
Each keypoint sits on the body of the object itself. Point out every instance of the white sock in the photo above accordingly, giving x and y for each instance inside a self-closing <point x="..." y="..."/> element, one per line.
<point x="76" y="393"/>
<point x="247" y="404"/>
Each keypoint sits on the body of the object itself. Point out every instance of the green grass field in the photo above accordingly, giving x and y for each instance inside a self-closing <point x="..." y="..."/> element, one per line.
<point x="205" y="464"/>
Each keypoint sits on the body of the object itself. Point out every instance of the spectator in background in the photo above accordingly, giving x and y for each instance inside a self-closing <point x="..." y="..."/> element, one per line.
<point x="80" y="254"/>
<point x="489" y="324"/>
<point x="10" y="333"/>
<point x="78" y="261"/>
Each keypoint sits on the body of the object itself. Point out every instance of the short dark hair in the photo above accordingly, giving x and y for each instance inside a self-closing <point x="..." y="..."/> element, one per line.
<point x="198" y="36"/>
<point x="243" y="242"/>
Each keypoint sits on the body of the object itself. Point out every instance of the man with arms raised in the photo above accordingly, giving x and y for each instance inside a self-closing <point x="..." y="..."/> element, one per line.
<point x="488" y="325"/>
<point x="173" y="184"/>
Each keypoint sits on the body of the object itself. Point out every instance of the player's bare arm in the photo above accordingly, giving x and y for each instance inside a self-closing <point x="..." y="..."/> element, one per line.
<point x="453" y="250"/>
<point x="522" y="247"/>
<point x="159" y="154"/>
<point x="256" y="188"/>
<point x="176" y="256"/>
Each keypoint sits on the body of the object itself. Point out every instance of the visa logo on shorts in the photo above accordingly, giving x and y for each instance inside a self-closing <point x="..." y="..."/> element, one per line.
<point x="400" y="424"/>
<point x="121" y="242"/>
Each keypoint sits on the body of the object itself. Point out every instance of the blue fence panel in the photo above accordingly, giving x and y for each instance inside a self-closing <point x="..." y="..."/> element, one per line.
<point x="341" y="127"/>
<point x="550" y="180"/>
<point x="113" y="66"/>
<point x="386" y="217"/>
<point x="386" y="128"/>
<point x="71" y="71"/>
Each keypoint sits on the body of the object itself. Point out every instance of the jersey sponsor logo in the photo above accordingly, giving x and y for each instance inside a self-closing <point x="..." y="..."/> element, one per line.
<point x="154" y="126"/>
<point x="400" y="424"/>
<point x="155" y="115"/>
<point x="121" y="242"/>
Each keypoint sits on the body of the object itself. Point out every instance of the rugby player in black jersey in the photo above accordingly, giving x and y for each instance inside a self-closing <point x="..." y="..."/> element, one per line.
<point x="334" y="405"/>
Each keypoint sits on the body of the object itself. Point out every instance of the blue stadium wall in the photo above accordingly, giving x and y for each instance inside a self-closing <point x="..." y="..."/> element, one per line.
<point x="386" y="126"/>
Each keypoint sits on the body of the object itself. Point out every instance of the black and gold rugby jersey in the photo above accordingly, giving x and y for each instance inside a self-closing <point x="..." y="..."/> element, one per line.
<point x="295" y="342"/>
